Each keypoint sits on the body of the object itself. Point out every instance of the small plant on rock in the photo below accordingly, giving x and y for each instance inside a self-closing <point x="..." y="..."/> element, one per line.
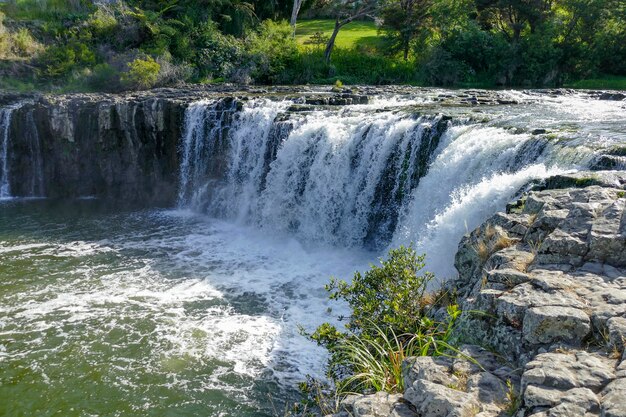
<point x="513" y="400"/>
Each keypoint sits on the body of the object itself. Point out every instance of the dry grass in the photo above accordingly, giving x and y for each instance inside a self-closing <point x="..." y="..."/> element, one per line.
<point x="482" y="250"/>
<point x="535" y="246"/>
<point x="494" y="239"/>
<point x="462" y="379"/>
<point x="502" y="242"/>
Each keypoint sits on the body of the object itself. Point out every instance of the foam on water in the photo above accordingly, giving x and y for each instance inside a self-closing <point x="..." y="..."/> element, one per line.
<point x="475" y="172"/>
<point x="170" y="298"/>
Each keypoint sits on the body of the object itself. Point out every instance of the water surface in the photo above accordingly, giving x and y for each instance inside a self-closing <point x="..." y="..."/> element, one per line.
<point x="121" y="312"/>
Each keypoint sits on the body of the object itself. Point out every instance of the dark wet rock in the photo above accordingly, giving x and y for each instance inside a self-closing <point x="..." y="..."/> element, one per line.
<point x="612" y="96"/>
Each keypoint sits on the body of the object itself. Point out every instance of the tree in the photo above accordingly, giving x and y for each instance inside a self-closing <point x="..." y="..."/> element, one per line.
<point x="297" y="5"/>
<point x="346" y="11"/>
<point x="511" y="17"/>
<point x="402" y="21"/>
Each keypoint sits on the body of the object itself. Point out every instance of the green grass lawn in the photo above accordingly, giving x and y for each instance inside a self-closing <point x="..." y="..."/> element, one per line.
<point x="607" y="82"/>
<point x="351" y="35"/>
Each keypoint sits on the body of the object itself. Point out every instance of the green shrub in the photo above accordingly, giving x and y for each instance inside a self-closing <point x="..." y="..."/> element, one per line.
<point x="5" y="45"/>
<point x="60" y="60"/>
<point x="102" y="23"/>
<point x="539" y="59"/>
<point x="142" y="73"/>
<point x="273" y="50"/>
<point x="5" y="39"/>
<point x="391" y="319"/>
<point x="371" y="69"/>
<point x="392" y="295"/>
<point x="20" y="44"/>
<point x="104" y="77"/>
<point x="470" y="55"/>
<point x="24" y="44"/>
<point x="219" y="54"/>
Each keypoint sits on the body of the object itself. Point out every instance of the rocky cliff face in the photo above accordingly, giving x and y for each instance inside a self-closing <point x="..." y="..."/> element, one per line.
<point x="123" y="147"/>
<point x="548" y="278"/>
<point x="96" y="146"/>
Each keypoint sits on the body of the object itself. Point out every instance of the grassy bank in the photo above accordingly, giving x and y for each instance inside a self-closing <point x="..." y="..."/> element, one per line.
<point x="601" y="83"/>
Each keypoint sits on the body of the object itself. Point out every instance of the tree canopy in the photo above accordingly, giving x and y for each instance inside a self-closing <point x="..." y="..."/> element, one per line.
<point x="80" y="44"/>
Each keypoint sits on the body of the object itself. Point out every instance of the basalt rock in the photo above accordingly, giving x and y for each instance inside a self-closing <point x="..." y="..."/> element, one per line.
<point x="550" y="277"/>
<point x="549" y="280"/>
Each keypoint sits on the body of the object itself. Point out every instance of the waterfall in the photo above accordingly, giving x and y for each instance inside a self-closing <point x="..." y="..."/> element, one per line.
<point x="5" y="124"/>
<point x="327" y="176"/>
<point x="361" y="176"/>
<point x="477" y="170"/>
<point x="206" y="128"/>
<point x="29" y="158"/>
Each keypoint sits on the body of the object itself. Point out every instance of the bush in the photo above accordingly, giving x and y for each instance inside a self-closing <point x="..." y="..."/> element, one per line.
<point x="61" y="60"/>
<point x="470" y="55"/>
<point x="102" y="23"/>
<point x="24" y="44"/>
<point x="220" y="55"/>
<point x="172" y="74"/>
<point x="5" y="39"/>
<point x="273" y="50"/>
<point x="142" y="73"/>
<point x="539" y="59"/>
<point x="104" y="78"/>
<point x="611" y="47"/>
<point x="391" y="319"/>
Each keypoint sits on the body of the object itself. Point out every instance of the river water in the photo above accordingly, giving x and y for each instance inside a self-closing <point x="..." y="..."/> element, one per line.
<point x="195" y="310"/>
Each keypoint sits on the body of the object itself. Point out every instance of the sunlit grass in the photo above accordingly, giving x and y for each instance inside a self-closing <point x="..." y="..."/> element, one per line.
<point x="352" y="35"/>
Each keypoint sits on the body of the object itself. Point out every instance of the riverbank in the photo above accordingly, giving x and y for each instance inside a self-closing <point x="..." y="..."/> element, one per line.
<point x="543" y="288"/>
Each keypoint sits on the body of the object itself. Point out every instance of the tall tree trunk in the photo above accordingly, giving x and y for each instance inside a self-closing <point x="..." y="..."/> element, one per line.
<point x="405" y="48"/>
<point x="331" y="42"/>
<point x="297" y="4"/>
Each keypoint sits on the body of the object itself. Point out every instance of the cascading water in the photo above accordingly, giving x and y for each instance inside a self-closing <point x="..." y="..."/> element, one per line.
<point x="32" y="155"/>
<point x="364" y="175"/>
<point x="5" y="124"/>
<point x="477" y="170"/>
<point x="336" y="177"/>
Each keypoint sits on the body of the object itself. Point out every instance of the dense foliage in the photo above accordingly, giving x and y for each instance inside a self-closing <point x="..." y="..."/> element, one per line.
<point x="115" y="45"/>
<point x="392" y="317"/>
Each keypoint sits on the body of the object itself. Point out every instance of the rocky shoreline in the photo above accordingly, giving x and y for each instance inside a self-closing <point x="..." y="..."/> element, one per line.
<point x="543" y="287"/>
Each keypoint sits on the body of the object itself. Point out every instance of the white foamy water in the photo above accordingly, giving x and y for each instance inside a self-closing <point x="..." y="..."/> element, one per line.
<point x="474" y="174"/>
<point x="164" y="299"/>
<point x="377" y="175"/>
